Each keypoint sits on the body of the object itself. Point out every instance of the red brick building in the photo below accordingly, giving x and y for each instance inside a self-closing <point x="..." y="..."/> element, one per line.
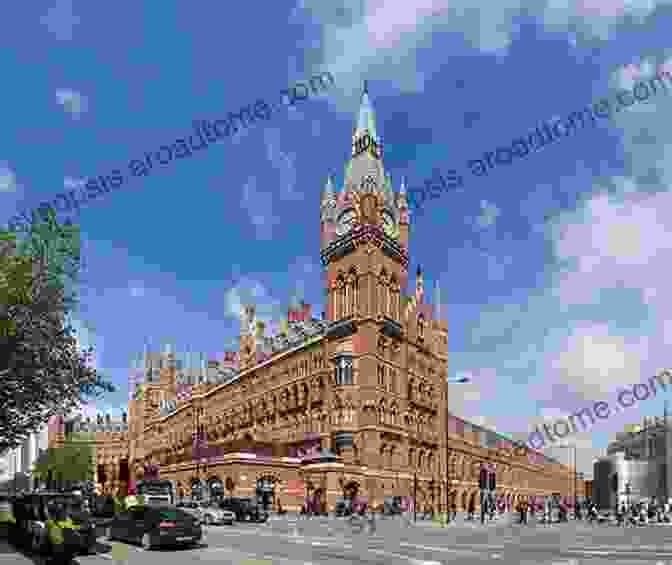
<point x="362" y="389"/>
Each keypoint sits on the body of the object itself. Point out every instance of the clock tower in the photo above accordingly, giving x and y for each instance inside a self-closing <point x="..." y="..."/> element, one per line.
<point x="384" y="345"/>
<point x="364" y="229"/>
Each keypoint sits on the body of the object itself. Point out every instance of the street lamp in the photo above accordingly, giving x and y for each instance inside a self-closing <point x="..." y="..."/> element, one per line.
<point x="458" y="380"/>
<point x="573" y="447"/>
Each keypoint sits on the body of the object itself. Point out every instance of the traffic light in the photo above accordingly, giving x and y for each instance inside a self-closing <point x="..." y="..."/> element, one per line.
<point x="614" y="482"/>
<point x="492" y="481"/>
<point x="483" y="479"/>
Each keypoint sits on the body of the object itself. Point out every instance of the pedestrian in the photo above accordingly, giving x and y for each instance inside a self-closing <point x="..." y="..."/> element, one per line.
<point x="454" y="509"/>
<point x="471" y="510"/>
<point x="372" y="522"/>
<point x="523" y="511"/>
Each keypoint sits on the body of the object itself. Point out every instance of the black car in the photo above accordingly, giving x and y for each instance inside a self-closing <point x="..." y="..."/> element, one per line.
<point x="245" y="509"/>
<point x="154" y="526"/>
<point x="32" y="512"/>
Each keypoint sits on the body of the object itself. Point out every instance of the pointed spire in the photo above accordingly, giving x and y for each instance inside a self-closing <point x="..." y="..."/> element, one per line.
<point x="367" y="117"/>
<point x="204" y="368"/>
<point x="328" y="194"/>
<point x="402" y="202"/>
<point x="147" y="360"/>
<point x="389" y="192"/>
<point x="437" y="301"/>
<point x="329" y="187"/>
<point x="187" y="366"/>
<point x="419" y="286"/>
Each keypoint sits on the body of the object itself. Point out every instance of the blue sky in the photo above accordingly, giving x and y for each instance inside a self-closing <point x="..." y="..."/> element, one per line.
<point x="552" y="268"/>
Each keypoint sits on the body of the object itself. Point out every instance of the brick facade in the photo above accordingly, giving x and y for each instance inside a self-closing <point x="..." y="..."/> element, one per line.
<point x="369" y="381"/>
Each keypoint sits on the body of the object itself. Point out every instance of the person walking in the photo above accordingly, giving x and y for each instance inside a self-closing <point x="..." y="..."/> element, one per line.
<point x="453" y="507"/>
<point x="471" y="509"/>
<point x="523" y="511"/>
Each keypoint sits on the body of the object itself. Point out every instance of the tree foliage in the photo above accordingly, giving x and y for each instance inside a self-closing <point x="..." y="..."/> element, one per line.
<point x="73" y="461"/>
<point x="42" y="370"/>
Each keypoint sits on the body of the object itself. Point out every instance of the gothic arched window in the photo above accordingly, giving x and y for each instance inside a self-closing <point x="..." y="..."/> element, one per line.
<point x="421" y="327"/>
<point x="382" y="293"/>
<point x="339" y="298"/>
<point x="353" y="298"/>
<point x="394" y="299"/>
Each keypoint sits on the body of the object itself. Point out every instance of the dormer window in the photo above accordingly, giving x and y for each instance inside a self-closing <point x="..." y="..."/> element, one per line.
<point x="343" y="373"/>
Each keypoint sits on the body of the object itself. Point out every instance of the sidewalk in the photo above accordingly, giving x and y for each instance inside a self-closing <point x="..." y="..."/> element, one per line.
<point x="10" y="555"/>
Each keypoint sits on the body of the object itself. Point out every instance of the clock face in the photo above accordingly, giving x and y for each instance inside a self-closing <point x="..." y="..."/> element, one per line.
<point x="389" y="225"/>
<point x="345" y="222"/>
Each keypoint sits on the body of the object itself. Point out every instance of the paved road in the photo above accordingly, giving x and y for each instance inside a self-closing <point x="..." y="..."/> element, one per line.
<point x="333" y="542"/>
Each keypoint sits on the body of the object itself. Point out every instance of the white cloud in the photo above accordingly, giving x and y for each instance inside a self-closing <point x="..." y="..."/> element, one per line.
<point x="251" y="291"/>
<point x="259" y="206"/>
<point x="137" y="289"/>
<point x="60" y="20"/>
<point x="284" y="163"/>
<point x="359" y="42"/>
<point x="73" y="102"/>
<point x="7" y="179"/>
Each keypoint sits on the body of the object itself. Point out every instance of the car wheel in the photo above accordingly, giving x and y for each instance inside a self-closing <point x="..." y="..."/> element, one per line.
<point x="36" y="544"/>
<point x="146" y="542"/>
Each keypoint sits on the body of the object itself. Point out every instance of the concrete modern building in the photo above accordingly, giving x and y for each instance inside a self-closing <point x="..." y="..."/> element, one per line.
<point x="16" y="465"/>
<point x="353" y="402"/>
<point x="637" y="466"/>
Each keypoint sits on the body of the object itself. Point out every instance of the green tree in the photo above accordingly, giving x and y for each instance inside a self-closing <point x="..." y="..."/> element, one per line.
<point x="73" y="461"/>
<point x="42" y="370"/>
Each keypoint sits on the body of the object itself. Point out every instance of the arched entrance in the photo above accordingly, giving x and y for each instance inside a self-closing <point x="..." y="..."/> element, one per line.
<point x="350" y="492"/>
<point x="473" y="501"/>
<point x="196" y="489"/>
<point x="215" y="488"/>
<point x="266" y="491"/>
<point x="317" y="502"/>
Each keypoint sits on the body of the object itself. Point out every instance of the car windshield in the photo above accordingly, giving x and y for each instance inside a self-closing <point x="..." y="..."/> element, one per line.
<point x="72" y="504"/>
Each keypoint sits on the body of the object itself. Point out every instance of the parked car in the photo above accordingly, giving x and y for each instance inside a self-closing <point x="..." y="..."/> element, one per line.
<point x="189" y="507"/>
<point x="103" y="507"/>
<point x="155" y="526"/>
<point x="213" y="514"/>
<point x="33" y="512"/>
<point x="244" y="509"/>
